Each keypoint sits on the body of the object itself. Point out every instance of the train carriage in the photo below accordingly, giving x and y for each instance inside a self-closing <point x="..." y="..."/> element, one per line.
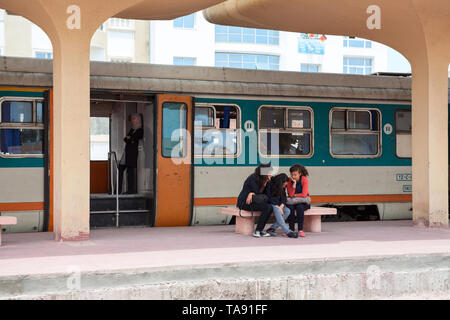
<point x="205" y="130"/>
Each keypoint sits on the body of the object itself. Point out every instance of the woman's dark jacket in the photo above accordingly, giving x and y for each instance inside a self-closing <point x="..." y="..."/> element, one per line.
<point x="250" y="185"/>
<point x="131" y="147"/>
<point x="274" y="199"/>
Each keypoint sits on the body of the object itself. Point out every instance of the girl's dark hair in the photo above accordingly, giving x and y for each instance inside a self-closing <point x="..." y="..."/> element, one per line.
<point x="300" y="169"/>
<point x="262" y="178"/>
<point x="277" y="184"/>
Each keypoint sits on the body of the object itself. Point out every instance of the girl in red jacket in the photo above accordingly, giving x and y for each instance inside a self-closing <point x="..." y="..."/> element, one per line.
<point x="298" y="187"/>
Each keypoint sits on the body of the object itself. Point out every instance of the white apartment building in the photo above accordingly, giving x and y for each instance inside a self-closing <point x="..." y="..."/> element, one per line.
<point x="115" y="40"/>
<point x="191" y="40"/>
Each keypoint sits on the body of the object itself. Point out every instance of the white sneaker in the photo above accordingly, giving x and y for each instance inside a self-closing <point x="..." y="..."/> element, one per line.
<point x="257" y="234"/>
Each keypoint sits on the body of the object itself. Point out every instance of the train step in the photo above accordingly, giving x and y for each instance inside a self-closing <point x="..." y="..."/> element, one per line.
<point x="134" y="210"/>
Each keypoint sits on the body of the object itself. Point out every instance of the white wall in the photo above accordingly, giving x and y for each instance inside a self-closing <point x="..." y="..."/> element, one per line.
<point x="167" y="42"/>
<point x="39" y="40"/>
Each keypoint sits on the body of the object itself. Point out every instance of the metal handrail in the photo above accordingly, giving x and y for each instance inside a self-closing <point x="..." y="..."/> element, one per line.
<point x="112" y="158"/>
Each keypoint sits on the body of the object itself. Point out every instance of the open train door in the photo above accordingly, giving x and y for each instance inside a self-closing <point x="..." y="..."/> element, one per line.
<point x="174" y="160"/>
<point x="47" y="111"/>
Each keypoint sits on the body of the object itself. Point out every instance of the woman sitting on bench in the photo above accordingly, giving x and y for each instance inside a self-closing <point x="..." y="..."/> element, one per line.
<point x="298" y="201"/>
<point x="252" y="197"/>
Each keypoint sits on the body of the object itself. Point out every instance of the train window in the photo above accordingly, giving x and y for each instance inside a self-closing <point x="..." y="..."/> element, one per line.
<point x="39" y="115"/>
<point x="21" y="127"/>
<point x="174" y="125"/>
<point x="221" y="138"/>
<point x="338" y="120"/>
<point x="359" y="119"/>
<point x="403" y="133"/>
<point x="272" y="118"/>
<point x="17" y="111"/>
<point x="204" y="117"/>
<point x="403" y="121"/>
<point x="355" y="133"/>
<point x="285" y="131"/>
<point x="299" y="119"/>
<point x="21" y="141"/>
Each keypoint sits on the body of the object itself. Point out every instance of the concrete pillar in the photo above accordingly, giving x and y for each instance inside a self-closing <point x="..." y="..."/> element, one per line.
<point x="71" y="137"/>
<point x="430" y="141"/>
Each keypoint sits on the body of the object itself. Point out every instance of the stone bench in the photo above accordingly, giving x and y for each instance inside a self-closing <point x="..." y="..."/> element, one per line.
<point x="5" y="220"/>
<point x="245" y="221"/>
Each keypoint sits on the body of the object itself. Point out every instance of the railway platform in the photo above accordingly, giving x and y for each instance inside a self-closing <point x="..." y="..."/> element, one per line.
<point x="348" y="260"/>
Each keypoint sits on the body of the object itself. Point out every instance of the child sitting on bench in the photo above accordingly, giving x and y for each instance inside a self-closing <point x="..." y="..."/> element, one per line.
<point x="276" y="191"/>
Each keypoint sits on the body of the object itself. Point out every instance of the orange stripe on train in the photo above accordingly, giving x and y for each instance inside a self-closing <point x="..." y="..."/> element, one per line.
<point x="319" y="199"/>
<point x="21" y="206"/>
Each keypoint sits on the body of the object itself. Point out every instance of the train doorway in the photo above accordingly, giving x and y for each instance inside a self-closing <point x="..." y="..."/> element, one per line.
<point x="131" y="204"/>
<point x="162" y="195"/>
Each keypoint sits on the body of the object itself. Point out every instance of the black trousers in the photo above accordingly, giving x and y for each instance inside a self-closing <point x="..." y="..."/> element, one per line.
<point x="131" y="179"/>
<point x="297" y="215"/>
<point x="266" y="210"/>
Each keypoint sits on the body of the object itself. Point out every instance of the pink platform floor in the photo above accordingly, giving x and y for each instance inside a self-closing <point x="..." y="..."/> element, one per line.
<point x="130" y="248"/>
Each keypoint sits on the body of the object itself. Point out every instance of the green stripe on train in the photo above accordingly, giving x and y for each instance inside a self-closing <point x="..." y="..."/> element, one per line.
<point x="321" y="155"/>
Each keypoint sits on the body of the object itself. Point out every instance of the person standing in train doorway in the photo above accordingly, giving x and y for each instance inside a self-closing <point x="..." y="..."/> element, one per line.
<point x="129" y="157"/>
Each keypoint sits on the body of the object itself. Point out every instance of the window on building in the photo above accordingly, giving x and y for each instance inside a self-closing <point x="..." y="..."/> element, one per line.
<point x="21" y="127"/>
<point x="247" y="61"/>
<point x="246" y="35"/>
<point x="309" y="67"/>
<point x="356" y="65"/>
<point x="186" y="22"/>
<point x="403" y="133"/>
<point x="99" y="138"/>
<point x="285" y="131"/>
<point x="355" y="132"/>
<point x="353" y="42"/>
<point x="216" y="130"/>
<point x="184" y="61"/>
<point x="43" y="55"/>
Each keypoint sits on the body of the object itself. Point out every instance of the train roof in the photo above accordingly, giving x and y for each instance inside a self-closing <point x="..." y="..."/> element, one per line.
<point x="219" y="81"/>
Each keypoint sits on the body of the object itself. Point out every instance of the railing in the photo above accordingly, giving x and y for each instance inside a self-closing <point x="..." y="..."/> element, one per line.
<point x="114" y="167"/>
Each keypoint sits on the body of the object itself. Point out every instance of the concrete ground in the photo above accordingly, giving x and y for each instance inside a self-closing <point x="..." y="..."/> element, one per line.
<point x="159" y="262"/>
